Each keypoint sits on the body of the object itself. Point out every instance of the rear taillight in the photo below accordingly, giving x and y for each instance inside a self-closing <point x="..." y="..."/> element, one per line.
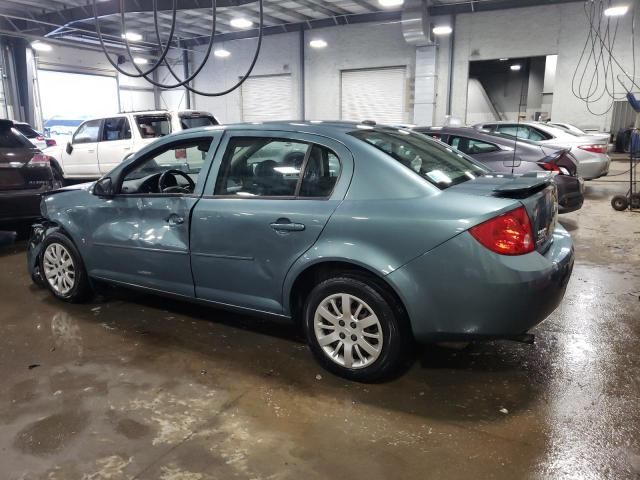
<point x="39" y="159"/>
<point x="593" y="148"/>
<point x="551" y="167"/>
<point x="40" y="138"/>
<point x="51" y="142"/>
<point x="506" y="234"/>
<point x="181" y="153"/>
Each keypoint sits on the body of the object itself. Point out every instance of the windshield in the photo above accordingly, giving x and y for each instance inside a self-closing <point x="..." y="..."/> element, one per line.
<point x="195" y="121"/>
<point x="26" y="130"/>
<point x="439" y="165"/>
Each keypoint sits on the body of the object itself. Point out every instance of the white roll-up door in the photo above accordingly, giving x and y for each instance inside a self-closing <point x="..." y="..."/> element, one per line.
<point x="374" y="94"/>
<point x="268" y="97"/>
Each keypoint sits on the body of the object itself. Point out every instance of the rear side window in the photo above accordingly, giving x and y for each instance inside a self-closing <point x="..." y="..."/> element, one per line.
<point x="12" y="138"/>
<point x="523" y="131"/>
<point x="434" y="162"/>
<point x="87" y="132"/>
<point x="116" y="128"/>
<point x="195" y="121"/>
<point x="471" y="146"/>
<point x="153" y="126"/>
<point x="272" y="167"/>
<point x="26" y="130"/>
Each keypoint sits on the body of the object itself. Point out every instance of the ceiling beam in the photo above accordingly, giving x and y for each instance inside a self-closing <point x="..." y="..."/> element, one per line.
<point x="471" y="6"/>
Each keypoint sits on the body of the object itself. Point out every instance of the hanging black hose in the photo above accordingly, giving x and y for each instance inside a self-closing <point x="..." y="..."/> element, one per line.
<point x="165" y="49"/>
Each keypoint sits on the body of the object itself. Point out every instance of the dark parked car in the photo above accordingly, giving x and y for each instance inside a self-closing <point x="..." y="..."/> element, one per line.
<point x="501" y="153"/>
<point x="25" y="173"/>
<point x="372" y="237"/>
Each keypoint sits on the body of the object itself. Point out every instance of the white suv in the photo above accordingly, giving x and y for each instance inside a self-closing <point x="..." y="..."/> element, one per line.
<point x="100" y="144"/>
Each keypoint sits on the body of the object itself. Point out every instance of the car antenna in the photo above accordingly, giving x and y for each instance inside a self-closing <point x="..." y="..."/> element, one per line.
<point x="515" y="145"/>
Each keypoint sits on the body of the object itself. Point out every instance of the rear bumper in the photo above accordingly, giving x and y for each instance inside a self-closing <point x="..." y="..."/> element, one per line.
<point x="20" y="205"/>
<point x="570" y="193"/>
<point x="592" y="168"/>
<point x="462" y="290"/>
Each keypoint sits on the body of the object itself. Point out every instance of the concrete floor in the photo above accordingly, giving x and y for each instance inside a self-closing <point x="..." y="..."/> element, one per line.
<point x="135" y="386"/>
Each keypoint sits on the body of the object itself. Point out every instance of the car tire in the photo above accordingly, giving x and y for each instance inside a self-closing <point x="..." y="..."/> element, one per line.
<point x="62" y="269"/>
<point x="372" y="344"/>
<point x="620" y="202"/>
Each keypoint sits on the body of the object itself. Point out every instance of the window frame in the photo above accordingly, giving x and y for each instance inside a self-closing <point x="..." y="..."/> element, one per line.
<point x="104" y="120"/>
<point x="452" y="137"/>
<point x="310" y="144"/>
<point x="98" y="136"/>
<point x="202" y="175"/>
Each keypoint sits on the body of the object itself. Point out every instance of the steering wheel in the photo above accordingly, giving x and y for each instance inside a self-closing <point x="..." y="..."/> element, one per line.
<point x="175" y="188"/>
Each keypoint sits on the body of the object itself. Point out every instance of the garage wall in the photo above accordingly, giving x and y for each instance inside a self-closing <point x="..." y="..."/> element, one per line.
<point x="279" y="55"/>
<point x="349" y="47"/>
<point x="558" y="29"/>
<point x="352" y="47"/>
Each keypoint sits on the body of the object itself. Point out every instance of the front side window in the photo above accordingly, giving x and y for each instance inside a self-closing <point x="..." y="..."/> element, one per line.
<point x="435" y="163"/>
<point x="471" y="146"/>
<point x="272" y="167"/>
<point x="153" y="126"/>
<point x="116" y="129"/>
<point x="181" y="161"/>
<point x="87" y="132"/>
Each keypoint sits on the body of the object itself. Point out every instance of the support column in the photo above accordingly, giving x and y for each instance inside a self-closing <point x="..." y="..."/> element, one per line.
<point x="425" y="85"/>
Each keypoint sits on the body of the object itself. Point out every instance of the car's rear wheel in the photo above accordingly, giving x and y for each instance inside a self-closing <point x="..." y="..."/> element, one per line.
<point x="62" y="269"/>
<point x="355" y="329"/>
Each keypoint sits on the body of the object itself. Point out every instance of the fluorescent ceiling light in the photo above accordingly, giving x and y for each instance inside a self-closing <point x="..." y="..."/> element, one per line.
<point x="132" y="36"/>
<point x="504" y="59"/>
<point x="616" y="11"/>
<point x="241" y="23"/>
<point x="140" y="61"/>
<point x="442" y="30"/>
<point x="41" y="47"/>
<point x="515" y="67"/>
<point x="317" y="43"/>
<point x="390" y="3"/>
<point x="222" y="53"/>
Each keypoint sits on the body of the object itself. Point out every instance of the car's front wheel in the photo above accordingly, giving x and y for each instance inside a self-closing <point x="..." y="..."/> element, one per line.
<point x="355" y="329"/>
<point x="62" y="269"/>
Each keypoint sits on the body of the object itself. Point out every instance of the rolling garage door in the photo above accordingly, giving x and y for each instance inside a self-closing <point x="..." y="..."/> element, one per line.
<point x="267" y="97"/>
<point x="373" y="94"/>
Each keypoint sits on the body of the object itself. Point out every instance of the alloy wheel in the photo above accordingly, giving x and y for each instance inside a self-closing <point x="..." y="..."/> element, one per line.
<point x="59" y="269"/>
<point x="348" y="330"/>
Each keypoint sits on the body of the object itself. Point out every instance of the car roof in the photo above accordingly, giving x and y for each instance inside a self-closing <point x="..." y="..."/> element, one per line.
<point x="327" y="128"/>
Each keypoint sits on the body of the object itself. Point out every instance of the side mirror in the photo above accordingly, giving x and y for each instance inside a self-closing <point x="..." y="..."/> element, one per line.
<point x="69" y="148"/>
<point x="104" y="188"/>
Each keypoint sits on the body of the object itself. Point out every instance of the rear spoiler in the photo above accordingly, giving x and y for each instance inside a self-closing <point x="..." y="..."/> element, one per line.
<point x="4" y="124"/>
<point x="524" y="185"/>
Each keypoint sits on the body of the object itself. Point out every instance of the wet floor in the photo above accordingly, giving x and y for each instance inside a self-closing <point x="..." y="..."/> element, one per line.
<point x="134" y="386"/>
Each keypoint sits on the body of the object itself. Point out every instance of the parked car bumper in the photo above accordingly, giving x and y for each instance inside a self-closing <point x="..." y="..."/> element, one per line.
<point x="494" y="296"/>
<point x="19" y="205"/>
<point x="570" y="193"/>
<point x="594" y="167"/>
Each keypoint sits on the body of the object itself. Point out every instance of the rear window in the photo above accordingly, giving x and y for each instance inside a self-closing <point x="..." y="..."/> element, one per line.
<point x="435" y="163"/>
<point x="26" y="130"/>
<point x="194" y="121"/>
<point x="153" y="126"/>
<point x="12" y="138"/>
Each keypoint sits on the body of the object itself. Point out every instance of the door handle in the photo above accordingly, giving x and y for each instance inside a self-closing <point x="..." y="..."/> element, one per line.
<point x="127" y="148"/>
<point x="175" y="219"/>
<point x="91" y="151"/>
<point x="285" y="225"/>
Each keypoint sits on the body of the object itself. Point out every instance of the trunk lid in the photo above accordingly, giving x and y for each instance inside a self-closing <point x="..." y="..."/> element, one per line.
<point x="536" y="191"/>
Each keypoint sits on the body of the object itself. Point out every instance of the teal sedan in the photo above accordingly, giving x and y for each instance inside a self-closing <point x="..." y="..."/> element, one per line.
<point x="372" y="237"/>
